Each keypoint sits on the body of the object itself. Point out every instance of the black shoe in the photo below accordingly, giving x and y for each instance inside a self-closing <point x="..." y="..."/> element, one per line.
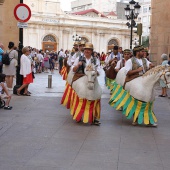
<point x="7" y="107"/>
<point x="96" y="122"/>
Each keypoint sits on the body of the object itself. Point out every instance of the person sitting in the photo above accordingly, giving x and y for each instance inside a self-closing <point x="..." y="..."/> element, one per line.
<point x="4" y="94"/>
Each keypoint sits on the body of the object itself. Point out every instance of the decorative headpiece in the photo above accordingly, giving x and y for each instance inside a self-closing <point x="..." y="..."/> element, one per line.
<point x="138" y="48"/>
<point x="126" y="51"/>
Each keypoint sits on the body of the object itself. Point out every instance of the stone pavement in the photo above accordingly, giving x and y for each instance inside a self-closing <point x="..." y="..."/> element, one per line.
<point x="39" y="134"/>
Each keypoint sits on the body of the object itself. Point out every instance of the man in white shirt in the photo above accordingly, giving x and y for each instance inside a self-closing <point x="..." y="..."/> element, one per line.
<point x="107" y="57"/>
<point x="115" y="55"/>
<point x="121" y="63"/>
<point x="79" y="53"/>
<point x="71" y="59"/>
<point x="137" y="65"/>
<point x="82" y="61"/>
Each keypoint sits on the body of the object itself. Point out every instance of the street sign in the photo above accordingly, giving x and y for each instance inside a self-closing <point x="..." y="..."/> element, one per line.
<point x="22" y="13"/>
<point x="22" y="25"/>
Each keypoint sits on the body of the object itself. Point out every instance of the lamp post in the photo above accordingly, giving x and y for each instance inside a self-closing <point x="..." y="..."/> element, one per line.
<point x="131" y="12"/>
<point x="76" y="38"/>
<point x="19" y="78"/>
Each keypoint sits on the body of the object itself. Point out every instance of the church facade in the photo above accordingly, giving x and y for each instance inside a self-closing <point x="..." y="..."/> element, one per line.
<point x="51" y="29"/>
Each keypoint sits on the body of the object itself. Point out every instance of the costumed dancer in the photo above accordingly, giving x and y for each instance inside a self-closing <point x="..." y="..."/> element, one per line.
<point x="80" y="51"/>
<point x="69" y="63"/>
<point x="65" y="66"/>
<point x="112" y="60"/>
<point x="83" y="93"/>
<point x="129" y="91"/>
<point x="121" y="63"/>
<point x="106" y="63"/>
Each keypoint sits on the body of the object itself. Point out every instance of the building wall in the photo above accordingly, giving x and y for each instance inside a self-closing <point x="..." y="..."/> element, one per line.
<point x="160" y="29"/>
<point x="62" y="27"/>
<point x="144" y="16"/>
<point x="8" y="24"/>
<point x="99" y="31"/>
<point x="120" y="11"/>
<point x="99" y="5"/>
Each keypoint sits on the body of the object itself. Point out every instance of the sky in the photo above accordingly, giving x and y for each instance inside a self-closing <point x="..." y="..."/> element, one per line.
<point x="66" y="5"/>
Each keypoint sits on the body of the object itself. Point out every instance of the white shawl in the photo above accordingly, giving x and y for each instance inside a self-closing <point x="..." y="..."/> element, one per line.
<point x="25" y="68"/>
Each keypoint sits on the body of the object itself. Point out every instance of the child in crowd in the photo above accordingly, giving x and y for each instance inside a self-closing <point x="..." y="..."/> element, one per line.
<point x="4" y="92"/>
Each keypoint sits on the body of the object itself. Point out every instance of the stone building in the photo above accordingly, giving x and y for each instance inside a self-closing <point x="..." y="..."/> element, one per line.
<point x="8" y="24"/>
<point x="51" y="29"/>
<point x="144" y="17"/>
<point x="160" y="29"/>
<point x="99" y="5"/>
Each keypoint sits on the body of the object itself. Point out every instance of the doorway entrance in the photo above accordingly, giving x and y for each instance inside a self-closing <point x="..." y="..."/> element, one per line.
<point x="49" y="43"/>
<point x="112" y="43"/>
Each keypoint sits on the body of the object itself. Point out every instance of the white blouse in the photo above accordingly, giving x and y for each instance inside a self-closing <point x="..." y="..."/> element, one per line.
<point x="25" y="68"/>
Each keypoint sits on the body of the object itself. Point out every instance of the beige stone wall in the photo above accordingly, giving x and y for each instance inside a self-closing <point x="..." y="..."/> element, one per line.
<point x="8" y="24"/>
<point x="160" y="29"/>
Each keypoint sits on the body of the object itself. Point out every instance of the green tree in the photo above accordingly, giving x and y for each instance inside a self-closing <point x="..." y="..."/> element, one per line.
<point x="145" y="42"/>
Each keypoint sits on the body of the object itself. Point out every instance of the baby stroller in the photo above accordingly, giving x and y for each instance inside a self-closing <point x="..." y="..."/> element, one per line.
<point x="2" y="103"/>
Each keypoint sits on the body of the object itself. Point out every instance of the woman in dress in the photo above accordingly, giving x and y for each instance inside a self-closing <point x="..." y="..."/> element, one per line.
<point x="26" y="71"/>
<point x="10" y="70"/>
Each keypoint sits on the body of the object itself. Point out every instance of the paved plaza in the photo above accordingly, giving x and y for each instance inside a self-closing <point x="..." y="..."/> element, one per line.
<point x="39" y="134"/>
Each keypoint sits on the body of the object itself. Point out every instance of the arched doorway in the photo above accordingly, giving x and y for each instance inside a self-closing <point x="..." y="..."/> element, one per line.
<point x="49" y="43"/>
<point x="112" y="43"/>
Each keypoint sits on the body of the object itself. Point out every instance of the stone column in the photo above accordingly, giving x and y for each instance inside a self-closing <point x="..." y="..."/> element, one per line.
<point x="102" y="43"/>
<point x="65" y="39"/>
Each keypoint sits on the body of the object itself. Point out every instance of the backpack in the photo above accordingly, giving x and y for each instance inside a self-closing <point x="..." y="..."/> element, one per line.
<point x="5" y="59"/>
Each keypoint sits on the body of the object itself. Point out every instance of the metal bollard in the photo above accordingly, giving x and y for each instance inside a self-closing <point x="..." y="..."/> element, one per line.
<point x="49" y="81"/>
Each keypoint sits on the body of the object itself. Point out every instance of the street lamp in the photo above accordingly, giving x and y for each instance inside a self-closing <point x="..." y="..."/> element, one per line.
<point x="131" y="12"/>
<point x="76" y="38"/>
<point x="19" y="78"/>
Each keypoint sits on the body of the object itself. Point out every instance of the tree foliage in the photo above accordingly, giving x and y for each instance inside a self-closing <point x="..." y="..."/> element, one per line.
<point x="145" y="42"/>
